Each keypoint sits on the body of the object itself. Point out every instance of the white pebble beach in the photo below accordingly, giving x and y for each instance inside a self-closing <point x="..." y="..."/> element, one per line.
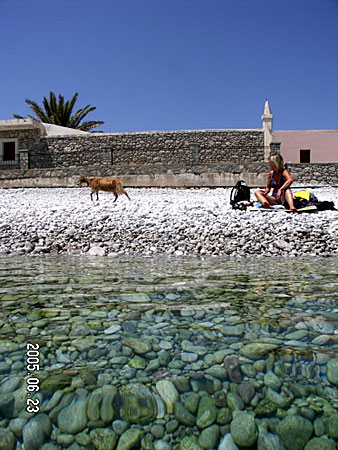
<point x="177" y="222"/>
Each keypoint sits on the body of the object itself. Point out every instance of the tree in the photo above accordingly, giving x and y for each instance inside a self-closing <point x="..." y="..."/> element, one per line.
<point x="60" y="113"/>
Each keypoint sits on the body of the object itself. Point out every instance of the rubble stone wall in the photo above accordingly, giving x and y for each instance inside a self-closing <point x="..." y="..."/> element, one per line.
<point x="159" y="158"/>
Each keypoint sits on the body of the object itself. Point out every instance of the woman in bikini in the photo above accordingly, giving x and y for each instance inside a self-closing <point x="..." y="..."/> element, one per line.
<point x="279" y="180"/>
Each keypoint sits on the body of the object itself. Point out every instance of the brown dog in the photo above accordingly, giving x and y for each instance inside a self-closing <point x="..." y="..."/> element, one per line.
<point x="103" y="184"/>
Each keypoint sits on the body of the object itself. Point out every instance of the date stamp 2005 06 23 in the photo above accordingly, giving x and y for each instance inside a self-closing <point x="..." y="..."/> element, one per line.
<point x="32" y="382"/>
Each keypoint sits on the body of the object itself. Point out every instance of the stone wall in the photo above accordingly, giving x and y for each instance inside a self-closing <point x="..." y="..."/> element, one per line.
<point x="315" y="173"/>
<point x="163" y="151"/>
<point x="177" y="158"/>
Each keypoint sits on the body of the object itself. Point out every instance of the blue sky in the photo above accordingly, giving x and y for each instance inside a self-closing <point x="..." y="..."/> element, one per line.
<point x="174" y="64"/>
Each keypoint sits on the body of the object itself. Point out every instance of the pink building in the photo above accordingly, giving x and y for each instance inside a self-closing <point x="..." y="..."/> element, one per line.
<point x="303" y="146"/>
<point x="300" y="146"/>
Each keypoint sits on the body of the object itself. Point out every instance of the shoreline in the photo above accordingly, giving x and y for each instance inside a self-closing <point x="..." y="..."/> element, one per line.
<point x="159" y="222"/>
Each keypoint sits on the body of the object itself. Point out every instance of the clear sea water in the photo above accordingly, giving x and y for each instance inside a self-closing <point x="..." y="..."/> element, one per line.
<point x="81" y="311"/>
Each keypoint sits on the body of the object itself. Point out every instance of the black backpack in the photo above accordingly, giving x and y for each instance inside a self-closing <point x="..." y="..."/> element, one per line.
<point x="239" y="193"/>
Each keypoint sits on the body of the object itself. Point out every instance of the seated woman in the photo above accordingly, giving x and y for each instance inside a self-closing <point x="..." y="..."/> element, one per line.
<point x="279" y="180"/>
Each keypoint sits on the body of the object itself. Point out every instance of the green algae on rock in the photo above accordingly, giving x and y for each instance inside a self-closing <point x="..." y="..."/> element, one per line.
<point x="138" y="404"/>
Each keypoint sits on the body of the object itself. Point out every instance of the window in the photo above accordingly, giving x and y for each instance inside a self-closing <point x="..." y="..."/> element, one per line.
<point x="304" y="156"/>
<point x="8" y="151"/>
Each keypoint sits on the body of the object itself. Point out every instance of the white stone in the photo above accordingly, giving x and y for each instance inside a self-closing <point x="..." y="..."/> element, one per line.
<point x="112" y="329"/>
<point x="161" y="218"/>
<point x="227" y="443"/>
<point x="168" y="393"/>
<point x="96" y="251"/>
<point x="165" y="345"/>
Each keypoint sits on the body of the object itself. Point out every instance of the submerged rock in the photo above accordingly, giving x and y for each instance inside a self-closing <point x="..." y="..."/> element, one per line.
<point x="16" y="425"/>
<point x="140" y="346"/>
<point x="207" y="412"/>
<point x="94" y="402"/>
<point x="54" y="383"/>
<point x="332" y="371"/>
<point x="209" y="437"/>
<point x="107" y="407"/>
<point x="257" y="350"/>
<point x="227" y="443"/>
<point x="45" y="423"/>
<point x="169" y="394"/>
<point x="7" y="439"/>
<point x="320" y="443"/>
<point x="103" y="438"/>
<point x="266" y="408"/>
<point x="271" y="380"/>
<point x="190" y="443"/>
<point x="332" y="426"/>
<point x="138" y="404"/>
<point x="231" y="363"/>
<point x="246" y="391"/>
<point x="269" y="441"/>
<point x="129" y="439"/>
<point x="191" y="401"/>
<point x="295" y="432"/>
<point x="73" y="418"/>
<point x="243" y="430"/>
<point x="33" y="435"/>
<point x="183" y="415"/>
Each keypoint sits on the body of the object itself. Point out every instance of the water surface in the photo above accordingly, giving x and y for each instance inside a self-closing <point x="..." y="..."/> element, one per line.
<point x="203" y="326"/>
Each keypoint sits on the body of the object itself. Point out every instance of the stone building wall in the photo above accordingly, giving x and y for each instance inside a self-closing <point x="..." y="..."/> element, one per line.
<point x="164" y="150"/>
<point x="28" y="140"/>
<point x="177" y="158"/>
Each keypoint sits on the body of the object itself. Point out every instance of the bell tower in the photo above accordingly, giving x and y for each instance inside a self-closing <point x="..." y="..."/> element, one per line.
<point x="267" y="128"/>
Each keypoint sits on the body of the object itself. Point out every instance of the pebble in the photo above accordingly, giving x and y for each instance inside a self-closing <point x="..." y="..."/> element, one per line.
<point x="272" y="381"/>
<point x="244" y="430"/>
<point x="157" y="431"/>
<point x="288" y="430"/>
<point x="73" y="418"/>
<point x="120" y="426"/>
<point x="112" y="329"/>
<point x="168" y="393"/>
<point x="162" y="445"/>
<point x="246" y="391"/>
<point x="207" y="412"/>
<point x="10" y="385"/>
<point x="267" y="441"/>
<point x="33" y="435"/>
<point x="7" y="439"/>
<point x="227" y="443"/>
<point x="183" y="416"/>
<point x="129" y="439"/>
<point x="257" y="350"/>
<point x="209" y="437"/>
<point x="16" y="425"/>
<point x="103" y="438"/>
<point x="201" y="220"/>
<point x="332" y="371"/>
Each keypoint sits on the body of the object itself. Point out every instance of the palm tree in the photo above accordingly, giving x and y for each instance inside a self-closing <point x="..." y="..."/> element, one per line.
<point x="60" y="113"/>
